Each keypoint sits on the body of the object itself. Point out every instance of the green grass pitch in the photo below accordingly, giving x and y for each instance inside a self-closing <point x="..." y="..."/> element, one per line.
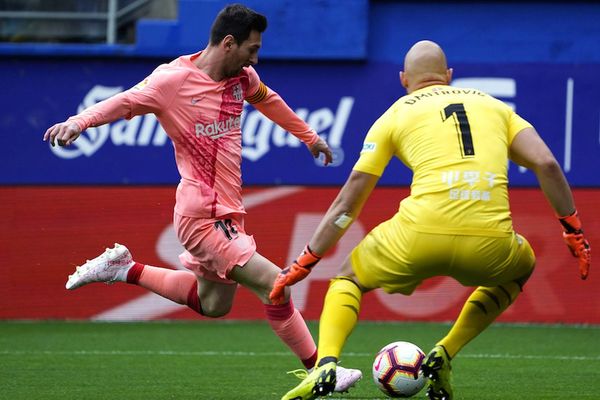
<point x="244" y="360"/>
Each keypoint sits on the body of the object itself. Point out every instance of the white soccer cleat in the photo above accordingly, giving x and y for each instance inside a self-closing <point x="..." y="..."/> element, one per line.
<point x="315" y="384"/>
<point x="110" y="266"/>
<point x="346" y="378"/>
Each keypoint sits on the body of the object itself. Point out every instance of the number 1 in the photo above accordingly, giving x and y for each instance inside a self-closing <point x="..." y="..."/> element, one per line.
<point x="464" y="128"/>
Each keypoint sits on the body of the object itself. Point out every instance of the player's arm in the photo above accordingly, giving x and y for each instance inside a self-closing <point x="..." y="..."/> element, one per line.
<point x="377" y="152"/>
<point x="149" y="96"/>
<point x="529" y="150"/>
<point x="342" y="212"/>
<point x="269" y="103"/>
<point x="65" y="133"/>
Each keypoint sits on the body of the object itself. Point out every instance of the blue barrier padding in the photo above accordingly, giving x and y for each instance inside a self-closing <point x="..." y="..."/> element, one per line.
<point x="308" y="30"/>
<point x="471" y="32"/>
<point x="376" y="30"/>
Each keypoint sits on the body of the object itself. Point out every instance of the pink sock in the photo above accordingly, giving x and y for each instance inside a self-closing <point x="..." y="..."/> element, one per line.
<point x="178" y="286"/>
<point x="288" y="324"/>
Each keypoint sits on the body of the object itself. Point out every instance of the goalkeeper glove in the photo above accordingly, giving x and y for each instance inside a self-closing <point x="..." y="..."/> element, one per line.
<point x="299" y="269"/>
<point x="579" y="246"/>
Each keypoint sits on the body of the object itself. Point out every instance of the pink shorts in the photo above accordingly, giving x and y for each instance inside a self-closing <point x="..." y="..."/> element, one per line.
<point x="214" y="246"/>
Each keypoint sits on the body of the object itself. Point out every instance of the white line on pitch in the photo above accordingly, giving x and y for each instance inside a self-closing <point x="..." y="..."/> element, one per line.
<point x="265" y="354"/>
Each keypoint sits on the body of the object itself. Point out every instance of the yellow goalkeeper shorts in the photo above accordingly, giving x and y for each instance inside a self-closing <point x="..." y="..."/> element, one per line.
<point x="397" y="259"/>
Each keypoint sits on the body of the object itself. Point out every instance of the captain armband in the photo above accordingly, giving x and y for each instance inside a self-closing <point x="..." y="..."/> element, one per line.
<point x="260" y="94"/>
<point x="343" y="221"/>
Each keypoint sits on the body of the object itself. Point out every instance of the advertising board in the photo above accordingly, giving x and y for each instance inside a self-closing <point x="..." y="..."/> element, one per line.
<point x="48" y="231"/>
<point x="339" y="100"/>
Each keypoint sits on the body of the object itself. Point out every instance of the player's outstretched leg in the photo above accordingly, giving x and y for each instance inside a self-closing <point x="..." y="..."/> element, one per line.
<point x="319" y="382"/>
<point x="436" y="368"/>
<point x="110" y="266"/>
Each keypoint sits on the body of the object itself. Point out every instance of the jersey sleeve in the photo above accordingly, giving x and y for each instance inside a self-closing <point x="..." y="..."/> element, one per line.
<point x="269" y="103"/>
<point x="152" y="95"/>
<point x="156" y="92"/>
<point x="378" y="146"/>
<point x="515" y="125"/>
<point x="257" y="90"/>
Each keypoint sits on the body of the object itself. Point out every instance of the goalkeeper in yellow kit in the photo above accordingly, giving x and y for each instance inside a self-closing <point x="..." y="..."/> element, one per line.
<point x="456" y="221"/>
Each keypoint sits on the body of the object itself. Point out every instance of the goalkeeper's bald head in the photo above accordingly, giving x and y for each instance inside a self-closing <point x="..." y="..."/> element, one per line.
<point x="425" y="65"/>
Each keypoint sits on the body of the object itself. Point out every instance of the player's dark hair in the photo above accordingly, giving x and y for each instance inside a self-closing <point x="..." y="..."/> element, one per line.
<point x="236" y="20"/>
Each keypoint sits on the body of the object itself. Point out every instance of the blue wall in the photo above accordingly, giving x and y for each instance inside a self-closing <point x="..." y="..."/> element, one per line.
<point x="376" y="30"/>
<point x="307" y="29"/>
<point x="560" y="32"/>
<point x="320" y="29"/>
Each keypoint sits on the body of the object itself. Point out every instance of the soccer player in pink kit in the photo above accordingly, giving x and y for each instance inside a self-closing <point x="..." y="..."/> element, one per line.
<point x="198" y="99"/>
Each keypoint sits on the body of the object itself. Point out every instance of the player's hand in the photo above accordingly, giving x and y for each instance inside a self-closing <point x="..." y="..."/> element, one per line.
<point x="578" y="244"/>
<point x="64" y="133"/>
<point x="321" y="147"/>
<point x="299" y="269"/>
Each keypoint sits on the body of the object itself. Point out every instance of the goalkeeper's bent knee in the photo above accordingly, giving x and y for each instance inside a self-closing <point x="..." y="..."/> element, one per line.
<point x="344" y="278"/>
<point x="522" y="280"/>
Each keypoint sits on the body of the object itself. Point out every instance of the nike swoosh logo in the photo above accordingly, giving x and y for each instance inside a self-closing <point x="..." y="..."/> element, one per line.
<point x="197" y="99"/>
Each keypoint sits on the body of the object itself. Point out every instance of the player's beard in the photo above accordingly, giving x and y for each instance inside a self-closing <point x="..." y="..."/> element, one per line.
<point x="234" y="72"/>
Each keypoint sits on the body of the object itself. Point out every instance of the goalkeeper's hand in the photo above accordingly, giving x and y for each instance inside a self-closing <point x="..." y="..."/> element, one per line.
<point x="299" y="269"/>
<point x="578" y="244"/>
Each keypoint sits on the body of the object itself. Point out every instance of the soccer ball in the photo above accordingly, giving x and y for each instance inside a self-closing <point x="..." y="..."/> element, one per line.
<point x="397" y="369"/>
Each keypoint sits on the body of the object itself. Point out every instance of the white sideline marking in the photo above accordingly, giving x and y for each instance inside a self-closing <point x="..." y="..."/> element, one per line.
<point x="266" y="354"/>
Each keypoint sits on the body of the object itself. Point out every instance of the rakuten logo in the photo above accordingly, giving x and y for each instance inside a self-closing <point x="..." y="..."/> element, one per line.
<point x="217" y="129"/>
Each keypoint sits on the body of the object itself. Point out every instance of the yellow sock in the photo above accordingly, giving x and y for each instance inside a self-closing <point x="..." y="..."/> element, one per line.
<point x="339" y="316"/>
<point x="481" y="308"/>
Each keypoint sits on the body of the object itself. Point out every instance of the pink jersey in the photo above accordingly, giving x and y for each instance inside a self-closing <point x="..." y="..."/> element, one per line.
<point x="202" y="117"/>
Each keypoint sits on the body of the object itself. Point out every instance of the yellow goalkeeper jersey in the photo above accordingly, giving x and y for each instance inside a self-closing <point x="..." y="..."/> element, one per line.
<point x="456" y="142"/>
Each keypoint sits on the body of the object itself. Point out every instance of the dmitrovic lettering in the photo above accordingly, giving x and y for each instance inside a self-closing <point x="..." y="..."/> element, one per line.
<point x="440" y="92"/>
